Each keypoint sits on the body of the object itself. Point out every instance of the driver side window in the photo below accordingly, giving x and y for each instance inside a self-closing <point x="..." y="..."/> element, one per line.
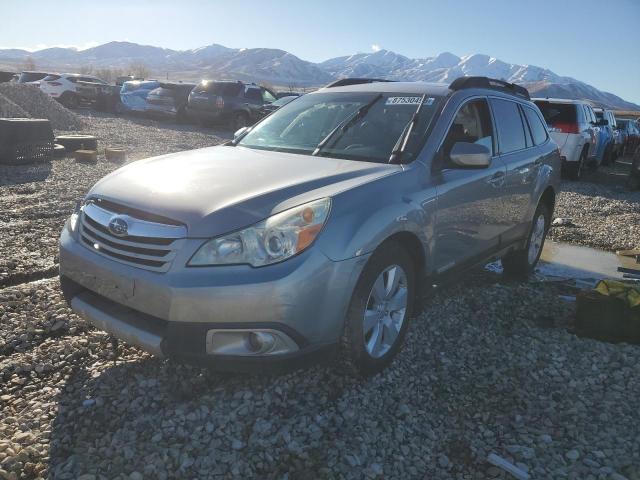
<point x="472" y="124"/>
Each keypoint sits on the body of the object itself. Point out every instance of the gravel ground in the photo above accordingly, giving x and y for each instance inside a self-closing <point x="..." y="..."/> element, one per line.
<point x="480" y="373"/>
<point x="604" y="213"/>
<point x="485" y="368"/>
<point x="35" y="200"/>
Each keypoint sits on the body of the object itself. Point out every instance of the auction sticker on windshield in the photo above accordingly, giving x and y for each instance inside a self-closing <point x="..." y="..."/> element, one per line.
<point x="408" y="101"/>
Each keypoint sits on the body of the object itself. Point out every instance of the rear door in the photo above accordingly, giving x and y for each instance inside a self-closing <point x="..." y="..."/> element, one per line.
<point x="469" y="204"/>
<point x="253" y="100"/>
<point x="515" y="149"/>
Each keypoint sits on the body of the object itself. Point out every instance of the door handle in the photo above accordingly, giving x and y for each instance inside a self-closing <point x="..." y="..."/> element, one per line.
<point x="496" y="180"/>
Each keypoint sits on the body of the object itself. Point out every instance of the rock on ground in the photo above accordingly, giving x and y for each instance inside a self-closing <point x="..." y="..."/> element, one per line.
<point x="483" y="370"/>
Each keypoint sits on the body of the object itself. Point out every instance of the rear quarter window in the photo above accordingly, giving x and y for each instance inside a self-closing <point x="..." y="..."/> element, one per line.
<point x="538" y="130"/>
<point x="511" y="134"/>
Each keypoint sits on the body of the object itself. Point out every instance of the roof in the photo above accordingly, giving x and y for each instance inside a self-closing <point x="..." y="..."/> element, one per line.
<point x="560" y="100"/>
<point x="394" y="87"/>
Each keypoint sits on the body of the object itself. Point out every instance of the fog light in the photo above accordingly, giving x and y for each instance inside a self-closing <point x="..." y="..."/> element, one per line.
<point x="249" y="342"/>
<point x="260" y="342"/>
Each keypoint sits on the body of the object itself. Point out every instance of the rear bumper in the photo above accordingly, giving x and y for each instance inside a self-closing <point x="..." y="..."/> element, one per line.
<point x="210" y="115"/>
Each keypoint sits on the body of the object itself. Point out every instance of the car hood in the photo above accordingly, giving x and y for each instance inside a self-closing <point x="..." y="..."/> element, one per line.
<point x="220" y="189"/>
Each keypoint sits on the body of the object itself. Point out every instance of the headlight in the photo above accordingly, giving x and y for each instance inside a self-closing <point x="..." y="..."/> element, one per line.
<point x="72" y="223"/>
<point x="273" y="240"/>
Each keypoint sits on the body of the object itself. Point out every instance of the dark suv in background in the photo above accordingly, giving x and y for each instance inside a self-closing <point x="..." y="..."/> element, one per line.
<point x="232" y="102"/>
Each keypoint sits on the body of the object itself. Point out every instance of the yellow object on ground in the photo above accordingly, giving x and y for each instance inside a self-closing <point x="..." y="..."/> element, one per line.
<point x="628" y="291"/>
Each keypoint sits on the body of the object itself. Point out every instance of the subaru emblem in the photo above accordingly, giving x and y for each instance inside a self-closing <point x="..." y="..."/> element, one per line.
<point x="118" y="226"/>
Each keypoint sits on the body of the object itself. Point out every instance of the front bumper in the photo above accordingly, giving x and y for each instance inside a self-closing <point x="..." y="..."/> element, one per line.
<point x="169" y="314"/>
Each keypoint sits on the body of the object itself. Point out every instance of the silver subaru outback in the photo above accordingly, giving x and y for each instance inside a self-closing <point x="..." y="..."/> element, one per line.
<point x="310" y="233"/>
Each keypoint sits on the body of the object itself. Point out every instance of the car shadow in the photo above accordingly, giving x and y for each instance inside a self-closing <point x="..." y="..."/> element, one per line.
<point x="143" y="414"/>
<point x="161" y="417"/>
<point x="615" y="176"/>
<point x="24" y="173"/>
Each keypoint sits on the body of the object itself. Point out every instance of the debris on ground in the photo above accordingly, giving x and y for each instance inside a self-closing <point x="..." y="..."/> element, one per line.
<point x="33" y="103"/>
<point x="561" y="222"/>
<point x="509" y="467"/>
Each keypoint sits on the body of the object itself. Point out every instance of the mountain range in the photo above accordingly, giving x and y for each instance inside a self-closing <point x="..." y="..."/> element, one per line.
<point x="282" y="68"/>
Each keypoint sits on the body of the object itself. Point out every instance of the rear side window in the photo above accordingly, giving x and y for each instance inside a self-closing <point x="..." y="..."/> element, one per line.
<point x="538" y="130"/>
<point x="509" y="125"/>
<point x="253" y="94"/>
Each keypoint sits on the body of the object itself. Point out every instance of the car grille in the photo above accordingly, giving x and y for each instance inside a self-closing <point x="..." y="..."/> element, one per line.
<point x="148" y="245"/>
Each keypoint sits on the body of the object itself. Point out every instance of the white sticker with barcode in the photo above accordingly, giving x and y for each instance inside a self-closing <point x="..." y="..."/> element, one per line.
<point x="408" y="101"/>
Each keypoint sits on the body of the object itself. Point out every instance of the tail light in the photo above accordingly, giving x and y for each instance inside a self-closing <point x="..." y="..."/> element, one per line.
<point x="54" y="84"/>
<point x="566" y="128"/>
<point x="219" y="102"/>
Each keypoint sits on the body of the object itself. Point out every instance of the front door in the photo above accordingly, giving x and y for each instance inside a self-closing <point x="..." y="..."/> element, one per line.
<point x="469" y="213"/>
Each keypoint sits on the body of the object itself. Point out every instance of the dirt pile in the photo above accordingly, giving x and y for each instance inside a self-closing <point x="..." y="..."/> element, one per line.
<point x="18" y="100"/>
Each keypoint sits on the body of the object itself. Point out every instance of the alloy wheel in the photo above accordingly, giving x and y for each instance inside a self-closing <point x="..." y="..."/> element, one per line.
<point x="385" y="311"/>
<point x="537" y="239"/>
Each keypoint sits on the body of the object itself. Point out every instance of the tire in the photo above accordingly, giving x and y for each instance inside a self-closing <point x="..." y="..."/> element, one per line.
<point x="77" y="142"/>
<point x="575" y="170"/>
<point x="391" y="273"/>
<point x="239" y="120"/>
<point x="70" y="100"/>
<point x="607" y="157"/>
<point x="521" y="263"/>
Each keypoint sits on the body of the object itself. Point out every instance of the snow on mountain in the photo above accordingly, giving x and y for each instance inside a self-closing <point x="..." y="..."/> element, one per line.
<point x="283" y="68"/>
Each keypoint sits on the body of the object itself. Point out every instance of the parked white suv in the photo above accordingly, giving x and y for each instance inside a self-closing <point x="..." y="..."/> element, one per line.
<point x="574" y="127"/>
<point x="63" y="87"/>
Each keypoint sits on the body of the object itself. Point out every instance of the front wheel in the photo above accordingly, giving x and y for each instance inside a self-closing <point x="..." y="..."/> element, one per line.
<point x="522" y="262"/>
<point x="70" y="100"/>
<point x="379" y="312"/>
<point x="239" y="120"/>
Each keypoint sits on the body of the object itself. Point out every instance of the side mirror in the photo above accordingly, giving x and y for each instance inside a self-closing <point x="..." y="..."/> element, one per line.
<point x="240" y="132"/>
<point x="470" y="155"/>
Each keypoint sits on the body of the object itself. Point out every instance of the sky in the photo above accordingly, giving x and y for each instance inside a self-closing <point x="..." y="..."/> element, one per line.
<point x="597" y="42"/>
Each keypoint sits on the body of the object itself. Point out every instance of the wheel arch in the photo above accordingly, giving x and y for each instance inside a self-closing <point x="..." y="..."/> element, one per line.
<point x="414" y="247"/>
<point x="548" y="198"/>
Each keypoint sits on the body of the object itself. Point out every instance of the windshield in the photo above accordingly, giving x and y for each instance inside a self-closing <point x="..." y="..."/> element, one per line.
<point x="300" y="126"/>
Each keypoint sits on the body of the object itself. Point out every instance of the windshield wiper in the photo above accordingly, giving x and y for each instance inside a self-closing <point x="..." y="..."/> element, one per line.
<point x="343" y="126"/>
<point x="400" y="145"/>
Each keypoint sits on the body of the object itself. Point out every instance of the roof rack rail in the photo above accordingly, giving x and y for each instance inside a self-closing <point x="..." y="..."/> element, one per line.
<point x="344" y="82"/>
<point x="491" y="83"/>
